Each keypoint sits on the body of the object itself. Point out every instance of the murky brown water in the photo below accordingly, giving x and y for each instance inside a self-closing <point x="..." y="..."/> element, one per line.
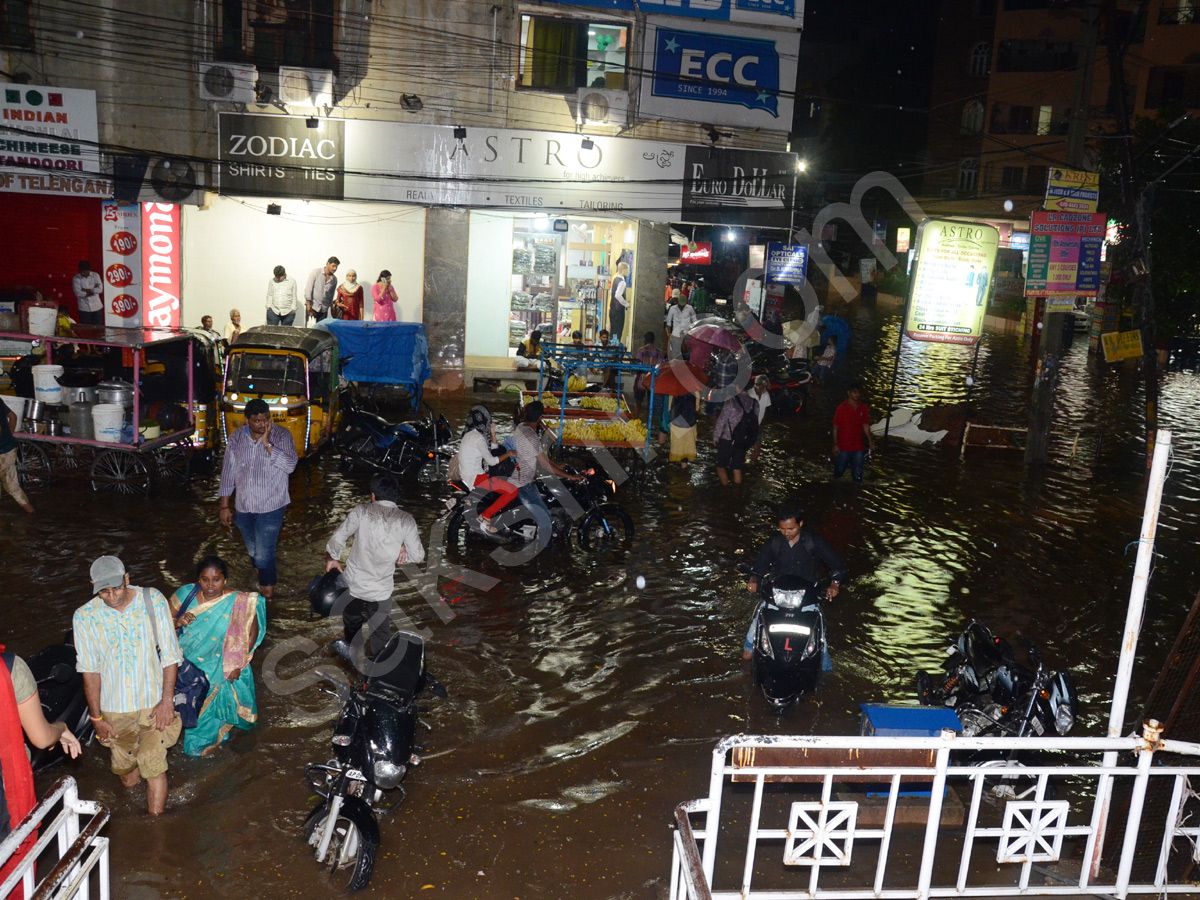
<point x="581" y="711"/>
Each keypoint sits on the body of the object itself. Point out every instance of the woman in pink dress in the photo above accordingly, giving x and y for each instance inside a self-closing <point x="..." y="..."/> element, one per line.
<point x="385" y="298"/>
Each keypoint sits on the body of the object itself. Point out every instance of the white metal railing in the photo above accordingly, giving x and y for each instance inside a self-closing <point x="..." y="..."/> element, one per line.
<point x="81" y="865"/>
<point x="897" y="817"/>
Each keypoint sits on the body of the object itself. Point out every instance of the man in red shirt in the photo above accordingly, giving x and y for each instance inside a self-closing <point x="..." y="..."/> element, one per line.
<point x="851" y="434"/>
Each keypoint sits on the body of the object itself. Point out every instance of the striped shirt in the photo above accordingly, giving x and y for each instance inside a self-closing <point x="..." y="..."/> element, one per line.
<point x="260" y="479"/>
<point x="119" y="647"/>
<point x="527" y="446"/>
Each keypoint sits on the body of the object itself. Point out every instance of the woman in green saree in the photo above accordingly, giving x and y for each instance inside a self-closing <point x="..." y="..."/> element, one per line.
<point x="219" y="631"/>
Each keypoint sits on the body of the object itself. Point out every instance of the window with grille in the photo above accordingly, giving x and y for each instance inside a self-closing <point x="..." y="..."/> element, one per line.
<point x="274" y="33"/>
<point x="981" y="60"/>
<point x="16" y="29"/>
<point x="972" y="117"/>
<point x="1012" y="177"/>
<point x="968" y="174"/>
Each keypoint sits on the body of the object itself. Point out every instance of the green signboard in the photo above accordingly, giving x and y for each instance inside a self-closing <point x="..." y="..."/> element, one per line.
<point x="951" y="277"/>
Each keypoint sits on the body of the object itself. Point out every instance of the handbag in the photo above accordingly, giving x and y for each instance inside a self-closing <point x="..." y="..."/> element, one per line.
<point x="191" y="684"/>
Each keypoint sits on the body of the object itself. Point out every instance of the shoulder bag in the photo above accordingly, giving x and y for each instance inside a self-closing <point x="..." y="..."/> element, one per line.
<point x="191" y="684"/>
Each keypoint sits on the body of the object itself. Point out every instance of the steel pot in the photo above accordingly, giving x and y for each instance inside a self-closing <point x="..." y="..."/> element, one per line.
<point x="79" y="395"/>
<point x="116" y="391"/>
<point x="36" y="411"/>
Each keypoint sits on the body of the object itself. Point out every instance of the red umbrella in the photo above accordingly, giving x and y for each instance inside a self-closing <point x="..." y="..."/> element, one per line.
<point x="675" y="378"/>
<point x="716" y="336"/>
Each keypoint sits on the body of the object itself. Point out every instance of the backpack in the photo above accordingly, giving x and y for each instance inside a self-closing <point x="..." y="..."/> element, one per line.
<point x="745" y="432"/>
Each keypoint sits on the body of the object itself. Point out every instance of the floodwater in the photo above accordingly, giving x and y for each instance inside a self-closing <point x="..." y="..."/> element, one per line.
<point x="582" y="710"/>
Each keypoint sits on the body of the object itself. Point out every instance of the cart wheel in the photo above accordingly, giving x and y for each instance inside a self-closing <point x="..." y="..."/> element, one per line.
<point x="172" y="464"/>
<point x="33" y="464"/>
<point x="120" y="471"/>
<point x="69" y="456"/>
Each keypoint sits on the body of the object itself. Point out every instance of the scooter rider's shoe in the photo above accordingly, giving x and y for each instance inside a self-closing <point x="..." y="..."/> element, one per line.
<point x="346" y="652"/>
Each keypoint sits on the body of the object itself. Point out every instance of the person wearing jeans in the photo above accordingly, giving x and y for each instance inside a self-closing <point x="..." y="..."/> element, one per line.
<point x="851" y="434"/>
<point x="259" y="457"/>
<point x="283" y="298"/>
<point x="527" y="448"/>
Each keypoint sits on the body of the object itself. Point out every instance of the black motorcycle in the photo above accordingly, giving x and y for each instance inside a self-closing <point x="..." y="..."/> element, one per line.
<point x="789" y="639"/>
<point x="403" y="449"/>
<point x="993" y="694"/>
<point x="374" y="746"/>
<point x="60" y="689"/>
<point x="584" y="507"/>
<point x="790" y="380"/>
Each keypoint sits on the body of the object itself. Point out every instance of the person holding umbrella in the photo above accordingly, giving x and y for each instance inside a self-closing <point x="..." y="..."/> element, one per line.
<point x="683" y="382"/>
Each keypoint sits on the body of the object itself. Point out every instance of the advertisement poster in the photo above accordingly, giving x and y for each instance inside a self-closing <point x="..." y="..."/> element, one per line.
<point x="160" y="265"/>
<point x="786" y="263"/>
<point x="48" y="142"/>
<point x="1064" y="254"/>
<point x="903" y="239"/>
<point x="121" y="234"/>
<point x="954" y="262"/>
<point x="1069" y="190"/>
<point x="696" y="253"/>
<point x="1121" y="345"/>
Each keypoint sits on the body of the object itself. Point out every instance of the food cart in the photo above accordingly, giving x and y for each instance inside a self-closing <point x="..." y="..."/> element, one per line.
<point x="169" y="371"/>
<point x="591" y="419"/>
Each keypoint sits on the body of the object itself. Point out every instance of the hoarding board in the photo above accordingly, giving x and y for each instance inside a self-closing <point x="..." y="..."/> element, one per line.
<point x="49" y="142"/>
<point x="761" y="12"/>
<point x="696" y="253"/>
<point x="954" y="262"/>
<point x="785" y="263"/>
<point x="1064" y="254"/>
<point x="1069" y="190"/>
<point x="1121" y="345"/>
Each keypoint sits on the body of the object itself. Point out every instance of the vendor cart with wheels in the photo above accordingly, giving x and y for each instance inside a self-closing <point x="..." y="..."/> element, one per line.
<point x="149" y="383"/>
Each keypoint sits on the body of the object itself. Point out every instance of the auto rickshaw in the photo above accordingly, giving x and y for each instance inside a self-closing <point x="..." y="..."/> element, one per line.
<point x="295" y="371"/>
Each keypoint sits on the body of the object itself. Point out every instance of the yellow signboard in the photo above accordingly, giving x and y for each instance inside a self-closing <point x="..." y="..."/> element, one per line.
<point x="950" y="281"/>
<point x="1070" y="190"/>
<point x="1121" y="345"/>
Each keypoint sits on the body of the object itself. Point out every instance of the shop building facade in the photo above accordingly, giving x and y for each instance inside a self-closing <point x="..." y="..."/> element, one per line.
<point x="498" y="160"/>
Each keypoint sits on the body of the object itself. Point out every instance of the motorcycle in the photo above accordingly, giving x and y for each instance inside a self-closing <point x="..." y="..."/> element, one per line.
<point x="60" y="689"/>
<point x="367" y="439"/>
<point x="374" y="747"/>
<point x="993" y="694"/>
<point x="789" y="639"/>
<point x="790" y="380"/>
<point x="584" y="507"/>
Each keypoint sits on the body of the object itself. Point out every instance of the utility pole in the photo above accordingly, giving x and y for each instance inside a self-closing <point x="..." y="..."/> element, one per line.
<point x="1050" y="341"/>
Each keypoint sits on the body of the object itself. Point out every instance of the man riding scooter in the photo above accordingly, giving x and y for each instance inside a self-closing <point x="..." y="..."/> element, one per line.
<point x="793" y="551"/>
<point x="527" y="448"/>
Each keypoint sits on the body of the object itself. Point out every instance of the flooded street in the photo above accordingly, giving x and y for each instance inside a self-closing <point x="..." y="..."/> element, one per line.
<point x="582" y="710"/>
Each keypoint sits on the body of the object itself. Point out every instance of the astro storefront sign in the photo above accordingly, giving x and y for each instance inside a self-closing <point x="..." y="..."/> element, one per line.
<point x="738" y="186"/>
<point x="954" y="262"/>
<point x="280" y="156"/>
<point x="727" y="75"/>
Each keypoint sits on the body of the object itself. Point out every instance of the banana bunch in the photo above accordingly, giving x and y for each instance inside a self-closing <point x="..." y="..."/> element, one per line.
<point x="611" y="432"/>
<point x="549" y="401"/>
<point x="604" y="404"/>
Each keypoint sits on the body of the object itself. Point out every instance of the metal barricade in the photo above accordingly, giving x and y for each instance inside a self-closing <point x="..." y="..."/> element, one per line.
<point x="897" y="817"/>
<point x="81" y="868"/>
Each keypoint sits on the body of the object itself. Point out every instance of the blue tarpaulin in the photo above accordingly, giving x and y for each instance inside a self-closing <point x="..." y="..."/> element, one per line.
<point x="384" y="352"/>
<point x="839" y="327"/>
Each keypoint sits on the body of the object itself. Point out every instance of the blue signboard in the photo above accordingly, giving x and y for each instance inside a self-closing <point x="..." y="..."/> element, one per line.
<point x="721" y="10"/>
<point x="786" y="263"/>
<point x="716" y="68"/>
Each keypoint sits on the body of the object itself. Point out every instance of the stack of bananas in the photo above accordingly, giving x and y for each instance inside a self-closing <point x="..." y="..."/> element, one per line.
<point x="605" y="404"/>
<point x="549" y="401"/>
<point x="630" y="431"/>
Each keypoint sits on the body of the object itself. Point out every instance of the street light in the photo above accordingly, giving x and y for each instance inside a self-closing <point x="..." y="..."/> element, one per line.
<point x="801" y="165"/>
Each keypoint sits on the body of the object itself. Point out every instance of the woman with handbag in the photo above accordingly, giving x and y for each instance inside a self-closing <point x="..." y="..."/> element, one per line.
<point x="219" y="630"/>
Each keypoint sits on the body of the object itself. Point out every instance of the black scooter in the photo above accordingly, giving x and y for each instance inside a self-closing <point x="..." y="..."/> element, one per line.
<point x="993" y="694"/>
<point x="789" y="639"/>
<point x="374" y="746"/>
<point x="402" y="449"/>
<point x="60" y="688"/>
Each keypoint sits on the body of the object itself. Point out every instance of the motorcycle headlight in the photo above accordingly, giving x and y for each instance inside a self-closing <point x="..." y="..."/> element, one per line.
<point x="1064" y="720"/>
<point x="788" y="599"/>
<point x="388" y="774"/>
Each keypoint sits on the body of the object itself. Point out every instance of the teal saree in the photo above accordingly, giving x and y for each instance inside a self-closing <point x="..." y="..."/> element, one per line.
<point x="222" y="641"/>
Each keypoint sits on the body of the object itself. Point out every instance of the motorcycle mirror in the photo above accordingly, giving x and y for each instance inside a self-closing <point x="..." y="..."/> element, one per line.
<point x="62" y="673"/>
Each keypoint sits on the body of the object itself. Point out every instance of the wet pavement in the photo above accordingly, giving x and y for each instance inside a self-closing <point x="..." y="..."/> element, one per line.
<point x="581" y="709"/>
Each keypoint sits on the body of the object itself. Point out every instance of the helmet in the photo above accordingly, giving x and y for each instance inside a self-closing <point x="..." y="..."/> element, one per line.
<point x="323" y="593"/>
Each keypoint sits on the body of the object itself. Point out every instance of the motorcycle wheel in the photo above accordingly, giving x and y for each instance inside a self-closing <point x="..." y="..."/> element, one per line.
<point x="606" y="528"/>
<point x="349" y="849"/>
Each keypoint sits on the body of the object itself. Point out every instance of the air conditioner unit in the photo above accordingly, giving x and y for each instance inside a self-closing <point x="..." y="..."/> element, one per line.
<point x="597" y="107"/>
<point x="227" y="82"/>
<point x="174" y="179"/>
<point x="306" y="87"/>
<point x="949" y="194"/>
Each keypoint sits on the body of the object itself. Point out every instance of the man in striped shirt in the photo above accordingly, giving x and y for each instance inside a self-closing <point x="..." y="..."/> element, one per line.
<point x="259" y="457"/>
<point x="128" y="678"/>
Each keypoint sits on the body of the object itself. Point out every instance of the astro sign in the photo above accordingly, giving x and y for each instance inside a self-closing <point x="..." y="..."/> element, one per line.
<point x="704" y="72"/>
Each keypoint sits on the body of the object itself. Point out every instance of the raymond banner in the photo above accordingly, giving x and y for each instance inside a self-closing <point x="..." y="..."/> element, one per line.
<point x="1064" y="254"/>
<point x="1121" y="345"/>
<point x="160" y="265"/>
<point x="1069" y="190"/>
<point x="121" y="232"/>
<point x="954" y="262"/>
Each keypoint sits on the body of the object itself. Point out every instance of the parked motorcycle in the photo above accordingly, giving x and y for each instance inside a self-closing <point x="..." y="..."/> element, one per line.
<point x="403" y="449"/>
<point x="584" y="507"/>
<point x="374" y="747"/>
<point x="789" y="639"/>
<point x="790" y="379"/>
<point x="993" y="694"/>
<point x="60" y="689"/>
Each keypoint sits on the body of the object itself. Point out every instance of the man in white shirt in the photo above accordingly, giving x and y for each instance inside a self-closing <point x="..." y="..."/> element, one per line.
<point x="680" y="318"/>
<point x="762" y="394"/>
<point x="283" y="299"/>
<point x="90" y="294"/>
<point x="385" y="536"/>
